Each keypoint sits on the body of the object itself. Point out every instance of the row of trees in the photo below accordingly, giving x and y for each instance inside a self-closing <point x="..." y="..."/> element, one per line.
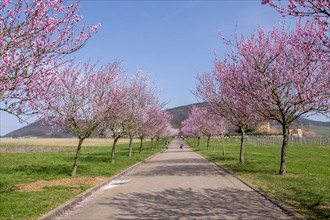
<point x="83" y="98"/>
<point x="37" y="78"/>
<point x="278" y="75"/>
<point x="204" y="123"/>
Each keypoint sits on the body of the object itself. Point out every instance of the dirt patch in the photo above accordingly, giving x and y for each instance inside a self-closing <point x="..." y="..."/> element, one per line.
<point x="70" y="182"/>
<point x="327" y="206"/>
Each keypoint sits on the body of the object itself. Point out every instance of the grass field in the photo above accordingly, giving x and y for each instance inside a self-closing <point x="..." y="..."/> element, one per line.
<point x="32" y="184"/>
<point x="55" y="142"/>
<point x="306" y="187"/>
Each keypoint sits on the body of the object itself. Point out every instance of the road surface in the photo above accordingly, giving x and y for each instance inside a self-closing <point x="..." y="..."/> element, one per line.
<point x="177" y="184"/>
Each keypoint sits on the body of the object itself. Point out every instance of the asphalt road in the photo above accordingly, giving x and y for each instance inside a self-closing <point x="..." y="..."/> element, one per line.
<point x="177" y="184"/>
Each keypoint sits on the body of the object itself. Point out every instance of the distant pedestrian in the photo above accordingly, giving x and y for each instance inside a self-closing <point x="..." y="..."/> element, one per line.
<point x="166" y="144"/>
<point x="181" y="146"/>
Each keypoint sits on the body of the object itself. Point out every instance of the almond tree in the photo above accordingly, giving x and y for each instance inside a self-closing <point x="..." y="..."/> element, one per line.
<point x="35" y="36"/>
<point x="317" y="9"/>
<point x="148" y="125"/>
<point x="218" y="89"/>
<point x="149" y="122"/>
<point x="191" y="129"/>
<point x="285" y="74"/>
<point x="320" y="9"/>
<point x="115" y="123"/>
<point x="81" y="98"/>
<point x="161" y="126"/>
<point x="141" y="96"/>
<point x="206" y="123"/>
<point x="169" y="131"/>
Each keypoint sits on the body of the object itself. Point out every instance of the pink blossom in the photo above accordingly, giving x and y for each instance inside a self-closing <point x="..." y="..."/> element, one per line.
<point x="319" y="9"/>
<point x="33" y="42"/>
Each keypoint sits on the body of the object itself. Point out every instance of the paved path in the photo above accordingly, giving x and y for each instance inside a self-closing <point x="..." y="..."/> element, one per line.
<point x="178" y="184"/>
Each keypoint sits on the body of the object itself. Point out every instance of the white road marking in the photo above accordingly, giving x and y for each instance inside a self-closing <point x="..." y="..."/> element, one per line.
<point x="114" y="183"/>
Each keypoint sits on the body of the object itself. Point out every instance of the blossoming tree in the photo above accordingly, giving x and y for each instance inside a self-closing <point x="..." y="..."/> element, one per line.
<point x="162" y="126"/>
<point x="204" y="122"/>
<point x="35" y="36"/>
<point x="285" y="74"/>
<point x="218" y="89"/>
<point x="81" y="98"/>
<point x="319" y="9"/>
<point x="141" y="95"/>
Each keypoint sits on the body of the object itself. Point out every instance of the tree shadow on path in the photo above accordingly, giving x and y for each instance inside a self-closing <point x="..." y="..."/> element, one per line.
<point x="184" y="203"/>
<point x="182" y="170"/>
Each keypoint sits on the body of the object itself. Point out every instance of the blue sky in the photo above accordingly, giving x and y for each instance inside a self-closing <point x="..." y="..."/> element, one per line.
<point x="171" y="40"/>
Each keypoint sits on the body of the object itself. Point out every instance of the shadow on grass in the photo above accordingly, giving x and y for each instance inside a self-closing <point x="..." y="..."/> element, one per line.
<point x="232" y="163"/>
<point x="39" y="170"/>
<point x="315" y="203"/>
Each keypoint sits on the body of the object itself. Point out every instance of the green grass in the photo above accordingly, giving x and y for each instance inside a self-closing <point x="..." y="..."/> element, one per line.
<point x="306" y="187"/>
<point x="30" y="167"/>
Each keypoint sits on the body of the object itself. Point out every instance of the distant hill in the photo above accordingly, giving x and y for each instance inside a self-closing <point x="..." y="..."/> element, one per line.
<point x="178" y="114"/>
<point x="37" y="129"/>
<point x="307" y="122"/>
<point x="181" y="113"/>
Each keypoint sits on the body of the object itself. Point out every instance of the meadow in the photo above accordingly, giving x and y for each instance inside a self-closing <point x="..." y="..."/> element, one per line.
<point x="305" y="188"/>
<point x="32" y="184"/>
<point x="25" y="145"/>
<point x="58" y="142"/>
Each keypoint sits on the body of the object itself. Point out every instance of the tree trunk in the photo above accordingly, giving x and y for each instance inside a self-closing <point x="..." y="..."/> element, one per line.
<point x="208" y="142"/>
<point x="141" y="145"/>
<point x="157" y="141"/>
<point x="152" y="143"/>
<point x="130" y="148"/>
<point x="223" y="146"/>
<point x="75" y="164"/>
<point x="113" y="151"/>
<point x="198" y="141"/>
<point x="241" y="152"/>
<point x="283" y="151"/>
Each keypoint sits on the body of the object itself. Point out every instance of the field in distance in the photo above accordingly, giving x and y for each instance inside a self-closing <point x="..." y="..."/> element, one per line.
<point x="55" y="142"/>
<point x="21" y="145"/>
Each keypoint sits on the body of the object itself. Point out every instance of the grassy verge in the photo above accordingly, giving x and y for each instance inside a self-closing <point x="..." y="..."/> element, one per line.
<point x="23" y="168"/>
<point x="58" y="142"/>
<point x="306" y="187"/>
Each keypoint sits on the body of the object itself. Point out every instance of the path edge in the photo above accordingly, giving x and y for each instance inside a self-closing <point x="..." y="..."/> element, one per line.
<point x="61" y="209"/>
<point x="284" y="208"/>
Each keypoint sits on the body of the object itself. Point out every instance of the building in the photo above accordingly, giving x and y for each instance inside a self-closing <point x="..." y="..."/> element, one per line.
<point x="297" y="132"/>
<point x="264" y="128"/>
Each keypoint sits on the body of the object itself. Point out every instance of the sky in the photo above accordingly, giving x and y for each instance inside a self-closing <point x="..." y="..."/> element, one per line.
<point x="172" y="41"/>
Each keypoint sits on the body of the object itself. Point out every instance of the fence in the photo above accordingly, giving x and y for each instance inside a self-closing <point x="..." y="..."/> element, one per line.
<point x="319" y="141"/>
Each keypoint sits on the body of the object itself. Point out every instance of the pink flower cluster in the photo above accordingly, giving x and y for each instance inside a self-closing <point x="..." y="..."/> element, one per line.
<point x="35" y="36"/>
<point x="319" y="9"/>
<point x="203" y="122"/>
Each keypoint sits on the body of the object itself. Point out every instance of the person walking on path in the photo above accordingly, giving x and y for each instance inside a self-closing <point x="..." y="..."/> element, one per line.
<point x="166" y="144"/>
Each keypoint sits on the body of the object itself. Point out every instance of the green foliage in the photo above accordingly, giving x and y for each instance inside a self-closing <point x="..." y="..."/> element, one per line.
<point x="30" y="167"/>
<point x="306" y="187"/>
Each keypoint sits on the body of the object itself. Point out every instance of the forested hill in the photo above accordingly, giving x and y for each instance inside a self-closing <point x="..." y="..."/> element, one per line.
<point x="181" y="113"/>
<point x="37" y="129"/>
<point x="178" y="115"/>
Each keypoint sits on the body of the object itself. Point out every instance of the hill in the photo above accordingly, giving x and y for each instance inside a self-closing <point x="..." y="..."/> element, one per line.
<point x="37" y="129"/>
<point x="181" y="113"/>
<point x="178" y="114"/>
